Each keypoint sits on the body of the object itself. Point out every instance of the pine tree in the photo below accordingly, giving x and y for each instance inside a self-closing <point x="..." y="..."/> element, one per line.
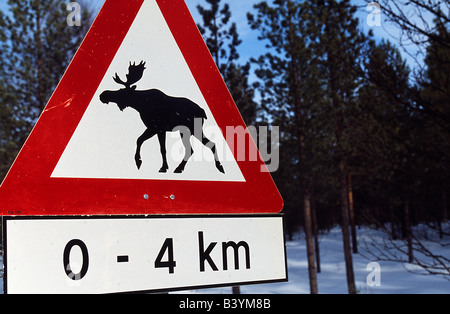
<point x="8" y="122"/>
<point x="435" y="98"/>
<point x="386" y="133"/>
<point x="222" y="39"/>
<point x="406" y="145"/>
<point x="217" y="33"/>
<point x="436" y="79"/>
<point x="429" y="37"/>
<point x="287" y="97"/>
<point x="37" y="47"/>
<point x="416" y="28"/>
<point x="338" y="45"/>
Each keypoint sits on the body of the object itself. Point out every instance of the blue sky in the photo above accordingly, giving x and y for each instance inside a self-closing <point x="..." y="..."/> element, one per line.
<point x="251" y="46"/>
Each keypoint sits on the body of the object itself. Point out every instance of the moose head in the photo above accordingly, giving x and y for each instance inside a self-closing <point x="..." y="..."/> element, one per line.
<point x="124" y="96"/>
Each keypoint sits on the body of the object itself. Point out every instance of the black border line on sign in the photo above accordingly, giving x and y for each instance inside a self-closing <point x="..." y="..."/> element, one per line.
<point x="231" y="284"/>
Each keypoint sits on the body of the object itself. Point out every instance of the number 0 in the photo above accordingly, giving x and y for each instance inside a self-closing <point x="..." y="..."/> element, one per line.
<point x="68" y="268"/>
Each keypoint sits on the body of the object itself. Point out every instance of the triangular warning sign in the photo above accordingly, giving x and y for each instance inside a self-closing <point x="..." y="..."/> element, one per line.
<point x="137" y="126"/>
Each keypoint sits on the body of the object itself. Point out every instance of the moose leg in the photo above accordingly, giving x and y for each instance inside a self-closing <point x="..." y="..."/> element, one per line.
<point x="205" y="141"/>
<point x="148" y="134"/>
<point x="188" y="154"/>
<point x="162" y="144"/>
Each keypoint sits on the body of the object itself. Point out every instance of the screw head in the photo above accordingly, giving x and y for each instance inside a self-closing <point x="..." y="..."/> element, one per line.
<point x="172" y="197"/>
<point x="146" y="196"/>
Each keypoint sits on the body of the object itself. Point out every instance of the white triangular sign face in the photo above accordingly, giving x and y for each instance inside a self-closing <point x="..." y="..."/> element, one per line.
<point x="104" y="143"/>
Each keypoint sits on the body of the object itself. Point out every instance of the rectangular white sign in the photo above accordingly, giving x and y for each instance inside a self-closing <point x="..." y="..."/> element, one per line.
<point x="141" y="254"/>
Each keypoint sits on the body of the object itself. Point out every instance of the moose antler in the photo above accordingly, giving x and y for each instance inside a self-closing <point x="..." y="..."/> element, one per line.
<point x="135" y="74"/>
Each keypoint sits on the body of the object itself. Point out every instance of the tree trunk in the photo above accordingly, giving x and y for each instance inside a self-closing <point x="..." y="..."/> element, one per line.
<point x="351" y="208"/>
<point x="316" y="233"/>
<point x="444" y="207"/>
<point x="408" y="230"/>
<point x="304" y="185"/>
<point x="444" y="217"/>
<point x="345" y="229"/>
<point x="393" y="220"/>
<point x="309" y="244"/>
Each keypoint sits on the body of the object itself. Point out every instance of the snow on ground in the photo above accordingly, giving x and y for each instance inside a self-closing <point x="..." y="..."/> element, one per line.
<point x="395" y="279"/>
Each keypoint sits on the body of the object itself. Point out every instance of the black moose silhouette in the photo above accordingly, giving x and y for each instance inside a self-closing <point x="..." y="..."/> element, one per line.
<point x="161" y="114"/>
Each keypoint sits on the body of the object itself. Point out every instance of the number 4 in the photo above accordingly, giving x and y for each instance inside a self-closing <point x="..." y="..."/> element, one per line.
<point x="170" y="263"/>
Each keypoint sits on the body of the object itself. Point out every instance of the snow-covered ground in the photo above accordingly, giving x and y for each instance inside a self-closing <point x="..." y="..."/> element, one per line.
<point x="395" y="279"/>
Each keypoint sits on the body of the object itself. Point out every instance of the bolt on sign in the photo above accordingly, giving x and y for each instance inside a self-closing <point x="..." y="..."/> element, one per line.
<point x="136" y="127"/>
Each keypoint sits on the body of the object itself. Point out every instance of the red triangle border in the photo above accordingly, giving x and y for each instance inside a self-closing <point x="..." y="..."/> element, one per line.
<point x="29" y="190"/>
